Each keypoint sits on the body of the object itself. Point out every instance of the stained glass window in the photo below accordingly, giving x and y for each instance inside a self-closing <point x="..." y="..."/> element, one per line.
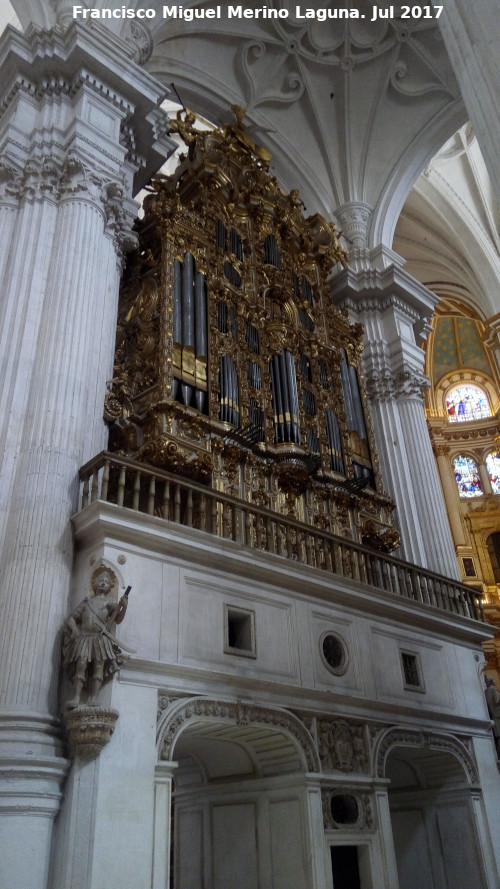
<point x="493" y="467"/>
<point x="467" y="477"/>
<point x="466" y="402"/>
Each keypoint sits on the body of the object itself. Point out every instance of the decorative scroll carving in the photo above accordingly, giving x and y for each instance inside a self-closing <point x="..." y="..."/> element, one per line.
<point x="178" y="714"/>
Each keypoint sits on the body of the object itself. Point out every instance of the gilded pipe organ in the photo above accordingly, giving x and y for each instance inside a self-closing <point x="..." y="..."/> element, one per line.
<point x="232" y="365"/>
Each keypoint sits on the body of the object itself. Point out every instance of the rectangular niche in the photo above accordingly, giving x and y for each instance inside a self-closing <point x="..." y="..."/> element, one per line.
<point x="412" y="671"/>
<point x="239" y="631"/>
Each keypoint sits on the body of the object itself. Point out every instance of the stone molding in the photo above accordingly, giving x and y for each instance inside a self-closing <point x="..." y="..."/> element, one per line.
<point x="33" y="785"/>
<point x="401" y="737"/>
<point x="365" y="821"/>
<point x="176" y="717"/>
<point x="60" y="65"/>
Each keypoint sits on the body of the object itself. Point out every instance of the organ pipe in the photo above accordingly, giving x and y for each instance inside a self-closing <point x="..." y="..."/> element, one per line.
<point x="334" y="442"/>
<point x="190" y="334"/>
<point x="285" y="398"/>
<point x="229" y="391"/>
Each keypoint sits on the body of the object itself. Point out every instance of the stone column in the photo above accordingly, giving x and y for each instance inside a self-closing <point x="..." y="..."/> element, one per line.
<point x="471" y="33"/>
<point x="483" y="473"/>
<point x="74" y="102"/>
<point x="394" y="309"/>
<point x="451" y="497"/>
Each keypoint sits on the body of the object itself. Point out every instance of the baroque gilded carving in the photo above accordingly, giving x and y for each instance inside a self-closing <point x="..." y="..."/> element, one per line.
<point x="231" y="363"/>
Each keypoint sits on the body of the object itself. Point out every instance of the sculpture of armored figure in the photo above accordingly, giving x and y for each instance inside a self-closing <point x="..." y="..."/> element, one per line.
<point x="492" y="696"/>
<point x="91" y="655"/>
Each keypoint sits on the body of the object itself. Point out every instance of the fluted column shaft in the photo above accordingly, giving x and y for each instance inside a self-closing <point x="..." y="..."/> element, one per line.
<point x="426" y="485"/>
<point x="394" y="308"/>
<point x="65" y="215"/>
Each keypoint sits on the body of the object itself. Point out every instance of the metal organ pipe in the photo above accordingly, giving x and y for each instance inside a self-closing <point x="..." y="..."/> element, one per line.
<point x="188" y="301"/>
<point x="334" y="442"/>
<point x="277" y="401"/>
<point x="346" y="389"/>
<point x="177" y="332"/>
<point x="356" y="398"/>
<point x="190" y="334"/>
<point x="285" y="397"/>
<point x="229" y="395"/>
<point x="201" y="339"/>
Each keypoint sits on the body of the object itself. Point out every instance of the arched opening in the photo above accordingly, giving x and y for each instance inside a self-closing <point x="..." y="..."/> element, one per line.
<point x="433" y="821"/>
<point x="239" y="802"/>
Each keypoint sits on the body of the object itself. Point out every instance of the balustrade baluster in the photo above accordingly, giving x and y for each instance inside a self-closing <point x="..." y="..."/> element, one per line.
<point x="354" y="564"/>
<point x="166" y="501"/>
<point x="363" y="575"/>
<point x="432" y="589"/>
<point x="137" y="491"/>
<point x="95" y="485"/>
<point x="177" y="504"/>
<point x="121" y="486"/>
<point x="258" y="532"/>
<point x="213" y="514"/>
<point x="248" y="528"/>
<point x="269" y="535"/>
<point x="151" y="497"/>
<point x="308" y="549"/>
<point x="318" y="551"/>
<point x="202" y="512"/>
<point x="346" y="562"/>
<point x="289" y="544"/>
<point x="85" y="492"/>
<point x="189" y="509"/>
<point x="401" y="579"/>
<point x="281" y="540"/>
<point x="329" y="566"/>
<point x="369" y="569"/>
<point x="105" y="481"/>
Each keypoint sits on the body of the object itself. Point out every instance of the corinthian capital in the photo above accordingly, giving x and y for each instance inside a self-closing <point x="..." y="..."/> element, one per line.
<point x="409" y="384"/>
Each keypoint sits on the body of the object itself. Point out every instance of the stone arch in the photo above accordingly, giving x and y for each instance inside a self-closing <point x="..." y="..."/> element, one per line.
<point x="394" y="737"/>
<point x="235" y="715"/>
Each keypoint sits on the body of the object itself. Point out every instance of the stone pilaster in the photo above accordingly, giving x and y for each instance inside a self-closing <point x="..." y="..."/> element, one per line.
<point x="395" y="310"/>
<point x="73" y="154"/>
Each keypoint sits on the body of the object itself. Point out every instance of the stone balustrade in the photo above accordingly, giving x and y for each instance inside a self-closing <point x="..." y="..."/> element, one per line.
<point x="133" y="485"/>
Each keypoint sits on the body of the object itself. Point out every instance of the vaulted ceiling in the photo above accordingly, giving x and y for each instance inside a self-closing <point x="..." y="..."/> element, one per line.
<point x="351" y="111"/>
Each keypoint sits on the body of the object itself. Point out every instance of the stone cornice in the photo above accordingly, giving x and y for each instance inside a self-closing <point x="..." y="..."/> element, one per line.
<point x="376" y="289"/>
<point x="41" y="64"/>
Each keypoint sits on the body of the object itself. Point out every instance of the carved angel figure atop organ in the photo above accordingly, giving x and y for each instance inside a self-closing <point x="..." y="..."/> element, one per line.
<point x="91" y="655"/>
